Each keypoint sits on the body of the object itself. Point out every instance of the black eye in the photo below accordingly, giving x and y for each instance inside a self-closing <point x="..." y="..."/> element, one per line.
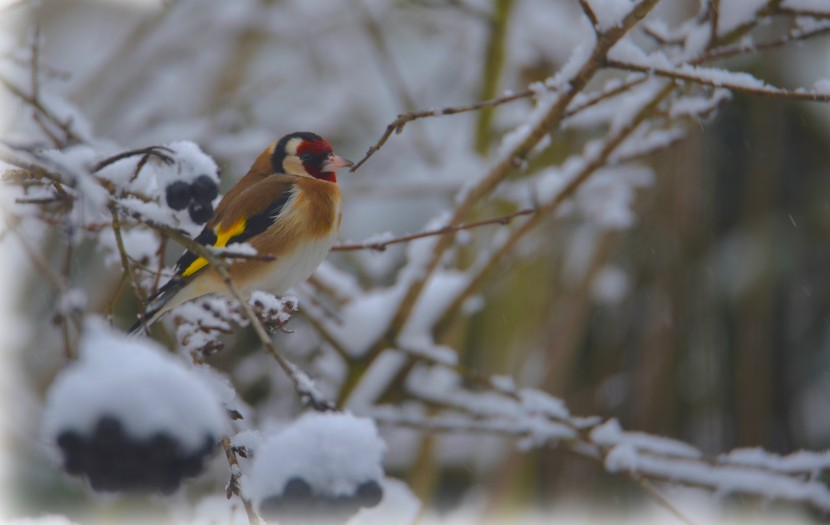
<point x="306" y="156"/>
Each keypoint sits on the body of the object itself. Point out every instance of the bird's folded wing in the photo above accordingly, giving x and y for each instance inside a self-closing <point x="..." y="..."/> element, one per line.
<point x="264" y="202"/>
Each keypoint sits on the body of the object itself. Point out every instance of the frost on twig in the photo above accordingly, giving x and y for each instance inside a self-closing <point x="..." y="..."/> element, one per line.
<point x="201" y="324"/>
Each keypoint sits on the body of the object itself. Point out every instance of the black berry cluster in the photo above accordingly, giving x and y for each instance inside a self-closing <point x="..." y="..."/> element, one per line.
<point x="113" y="461"/>
<point x="299" y="504"/>
<point x="196" y="196"/>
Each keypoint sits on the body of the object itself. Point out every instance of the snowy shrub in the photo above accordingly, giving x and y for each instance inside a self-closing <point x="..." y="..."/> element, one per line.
<point x="499" y="313"/>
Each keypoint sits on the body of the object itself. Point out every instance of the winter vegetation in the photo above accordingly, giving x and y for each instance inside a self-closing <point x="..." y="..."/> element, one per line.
<point x="582" y="268"/>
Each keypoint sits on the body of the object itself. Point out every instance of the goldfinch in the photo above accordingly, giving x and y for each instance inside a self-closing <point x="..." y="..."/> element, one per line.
<point x="287" y="206"/>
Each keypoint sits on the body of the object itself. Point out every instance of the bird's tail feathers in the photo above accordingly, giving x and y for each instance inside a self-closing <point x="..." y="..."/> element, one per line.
<point x="156" y="304"/>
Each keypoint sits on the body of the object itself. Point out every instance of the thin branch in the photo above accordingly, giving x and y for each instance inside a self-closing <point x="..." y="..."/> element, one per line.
<point x="122" y="252"/>
<point x="397" y="125"/>
<point x="730" y="51"/>
<point x="655" y="494"/>
<point x="233" y="488"/>
<point x="66" y="126"/>
<point x="690" y="76"/>
<point x="160" y="152"/>
<point x="382" y="245"/>
<point x="589" y="12"/>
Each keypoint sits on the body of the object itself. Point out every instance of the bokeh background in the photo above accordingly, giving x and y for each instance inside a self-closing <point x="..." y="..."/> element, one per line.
<point x="705" y="319"/>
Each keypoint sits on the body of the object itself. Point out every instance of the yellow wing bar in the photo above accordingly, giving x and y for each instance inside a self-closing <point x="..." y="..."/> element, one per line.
<point x="222" y="238"/>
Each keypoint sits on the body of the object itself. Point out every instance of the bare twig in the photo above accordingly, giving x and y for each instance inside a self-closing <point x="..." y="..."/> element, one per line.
<point x="397" y="125"/>
<point x="691" y="76"/>
<point x="589" y="12"/>
<point x="64" y="126"/>
<point x="382" y="245"/>
<point x="160" y="152"/>
<point x="233" y="487"/>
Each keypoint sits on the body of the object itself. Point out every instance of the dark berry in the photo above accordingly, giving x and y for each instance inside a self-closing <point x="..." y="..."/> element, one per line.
<point x="204" y="189"/>
<point x="200" y="213"/>
<point x="341" y="506"/>
<point x="179" y="195"/>
<point x="70" y="441"/>
<point x="297" y="490"/>
<point x="369" y="494"/>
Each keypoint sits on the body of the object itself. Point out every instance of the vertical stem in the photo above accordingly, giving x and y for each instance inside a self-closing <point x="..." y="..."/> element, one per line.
<point x="493" y="65"/>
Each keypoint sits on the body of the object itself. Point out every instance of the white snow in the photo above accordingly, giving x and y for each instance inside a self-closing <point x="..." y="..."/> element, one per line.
<point x="135" y="381"/>
<point x="610" y="13"/>
<point x="734" y="13"/>
<point x="398" y="507"/>
<point x="611" y="434"/>
<point x="812" y="6"/>
<point x="332" y="452"/>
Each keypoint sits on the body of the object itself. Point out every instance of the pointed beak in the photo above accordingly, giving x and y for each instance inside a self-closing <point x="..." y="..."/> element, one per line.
<point x="334" y="163"/>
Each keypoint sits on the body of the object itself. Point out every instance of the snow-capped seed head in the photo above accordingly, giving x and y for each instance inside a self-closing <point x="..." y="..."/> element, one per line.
<point x="333" y="453"/>
<point x="307" y="154"/>
<point x="137" y="383"/>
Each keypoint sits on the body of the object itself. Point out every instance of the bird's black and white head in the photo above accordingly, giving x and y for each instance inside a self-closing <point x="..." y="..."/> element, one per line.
<point x="308" y="155"/>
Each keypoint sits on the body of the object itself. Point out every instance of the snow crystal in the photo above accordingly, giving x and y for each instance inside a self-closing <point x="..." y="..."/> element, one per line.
<point x="136" y="381"/>
<point x="332" y="452"/>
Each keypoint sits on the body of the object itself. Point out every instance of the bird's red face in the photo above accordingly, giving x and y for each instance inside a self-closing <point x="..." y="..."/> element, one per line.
<point x="307" y="154"/>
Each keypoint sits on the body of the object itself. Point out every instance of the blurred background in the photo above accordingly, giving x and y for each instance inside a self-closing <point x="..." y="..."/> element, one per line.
<point x="706" y="319"/>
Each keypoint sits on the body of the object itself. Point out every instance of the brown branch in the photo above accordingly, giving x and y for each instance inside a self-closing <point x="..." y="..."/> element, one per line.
<point x="730" y="51"/>
<point x="66" y="127"/>
<point x="589" y="12"/>
<point x="122" y="252"/>
<point x="551" y="119"/>
<point x="677" y="74"/>
<point x="233" y="488"/>
<point x="155" y="151"/>
<point x="397" y="125"/>
<point x="382" y="245"/>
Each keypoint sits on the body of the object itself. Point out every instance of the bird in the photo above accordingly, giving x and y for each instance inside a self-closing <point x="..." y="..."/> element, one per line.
<point x="287" y="206"/>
